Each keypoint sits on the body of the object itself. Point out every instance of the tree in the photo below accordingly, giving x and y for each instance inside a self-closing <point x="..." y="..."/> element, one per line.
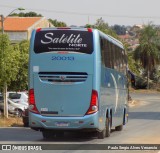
<point x="29" y="14"/>
<point x="21" y="82"/>
<point x="9" y="63"/>
<point x="88" y="26"/>
<point x="101" y="25"/>
<point x="58" y="23"/>
<point x="120" y="30"/>
<point x="133" y="65"/>
<point x="147" y="53"/>
<point x="104" y="27"/>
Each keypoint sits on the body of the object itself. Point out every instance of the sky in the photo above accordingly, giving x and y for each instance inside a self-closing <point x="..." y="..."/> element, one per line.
<point x="82" y="12"/>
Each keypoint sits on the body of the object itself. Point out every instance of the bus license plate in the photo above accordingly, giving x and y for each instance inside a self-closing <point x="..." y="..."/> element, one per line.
<point x="62" y="124"/>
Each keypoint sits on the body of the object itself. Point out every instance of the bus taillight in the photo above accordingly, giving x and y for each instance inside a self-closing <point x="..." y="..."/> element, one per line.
<point x="89" y="30"/>
<point x="32" y="103"/>
<point x="93" y="103"/>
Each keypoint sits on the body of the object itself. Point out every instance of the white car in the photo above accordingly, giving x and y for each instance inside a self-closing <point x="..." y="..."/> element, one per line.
<point x="14" y="108"/>
<point x="18" y="97"/>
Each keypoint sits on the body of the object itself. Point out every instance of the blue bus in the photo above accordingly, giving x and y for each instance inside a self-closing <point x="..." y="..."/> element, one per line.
<point x="77" y="82"/>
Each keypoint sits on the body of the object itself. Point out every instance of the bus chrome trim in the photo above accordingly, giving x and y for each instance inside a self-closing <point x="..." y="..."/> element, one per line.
<point x="55" y="115"/>
<point x="63" y="78"/>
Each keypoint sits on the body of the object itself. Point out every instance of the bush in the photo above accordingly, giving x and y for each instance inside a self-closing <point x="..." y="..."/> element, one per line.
<point x="140" y="83"/>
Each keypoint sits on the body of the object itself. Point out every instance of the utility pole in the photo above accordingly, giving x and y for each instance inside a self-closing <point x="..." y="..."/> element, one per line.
<point x="88" y="19"/>
<point x="3" y="71"/>
<point x="2" y="23"/>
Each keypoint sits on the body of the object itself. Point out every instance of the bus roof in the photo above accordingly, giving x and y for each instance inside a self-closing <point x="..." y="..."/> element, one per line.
<point x="112" y="39"/>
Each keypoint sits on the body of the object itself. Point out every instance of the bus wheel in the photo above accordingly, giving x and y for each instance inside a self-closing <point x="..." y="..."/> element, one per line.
<point x="106" y="131"/>
<point x="119" y="128"/>
<point x="48" y="134"/>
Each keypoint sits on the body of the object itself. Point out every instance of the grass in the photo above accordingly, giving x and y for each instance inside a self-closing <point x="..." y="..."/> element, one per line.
<point x="144" y="90"/>
<point x="11" y="121"/>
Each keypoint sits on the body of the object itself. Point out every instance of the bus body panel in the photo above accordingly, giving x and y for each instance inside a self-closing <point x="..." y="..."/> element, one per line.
<point x="113" y="94"/>
<point x="66" y="98"/>
<point x="64" y="123"/>
<point x="71" y="100"/>
<point x="69" y="62"/>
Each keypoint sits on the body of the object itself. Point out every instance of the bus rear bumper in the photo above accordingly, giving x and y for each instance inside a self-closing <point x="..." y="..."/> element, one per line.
<point x="38" y="122"/>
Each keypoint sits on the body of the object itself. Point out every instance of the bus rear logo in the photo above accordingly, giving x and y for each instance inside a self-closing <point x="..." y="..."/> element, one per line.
<point x="63" y="77"/>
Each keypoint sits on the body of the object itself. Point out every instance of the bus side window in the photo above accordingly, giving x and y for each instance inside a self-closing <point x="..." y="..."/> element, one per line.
<point x="108" y="55"/>
<point x="102" y="51"/>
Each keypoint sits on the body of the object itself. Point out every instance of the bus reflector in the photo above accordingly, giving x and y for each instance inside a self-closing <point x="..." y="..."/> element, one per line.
<point x="32" y="103"/>
<point x="38" y="30"/>
<point x="89" y="30"/>
<point x="93" y="103"/>
<point x="43" y="121"/>
<point x="62" y="52"/>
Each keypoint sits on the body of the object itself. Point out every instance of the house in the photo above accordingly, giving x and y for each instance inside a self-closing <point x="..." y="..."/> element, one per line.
<point x="124" y="37"/>
<point x="20" y="28"/>
<point x="132" y="41"/>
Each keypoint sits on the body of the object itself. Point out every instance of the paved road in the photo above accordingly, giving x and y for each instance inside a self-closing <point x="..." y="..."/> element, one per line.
<point x="143" y="128"/>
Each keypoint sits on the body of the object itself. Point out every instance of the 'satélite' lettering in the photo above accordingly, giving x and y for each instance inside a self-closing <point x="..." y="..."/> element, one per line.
<point x="72" y="39"/>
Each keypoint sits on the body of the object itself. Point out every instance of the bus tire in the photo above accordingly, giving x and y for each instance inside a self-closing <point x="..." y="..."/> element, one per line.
<point x="108" y="128"/>
<point x="119" y="128"/>
<point x="106" y="131"/>
<point x="101" y="134"/>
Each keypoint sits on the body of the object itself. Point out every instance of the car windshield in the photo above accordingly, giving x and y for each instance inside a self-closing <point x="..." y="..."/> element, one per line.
<point x="14" y="96"/>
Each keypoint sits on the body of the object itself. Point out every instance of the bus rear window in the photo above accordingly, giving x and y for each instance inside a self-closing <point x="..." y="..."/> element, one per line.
<point x="63" y="40"/>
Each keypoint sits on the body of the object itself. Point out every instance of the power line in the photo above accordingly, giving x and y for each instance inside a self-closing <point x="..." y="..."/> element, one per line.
<point x="86" y="14"/>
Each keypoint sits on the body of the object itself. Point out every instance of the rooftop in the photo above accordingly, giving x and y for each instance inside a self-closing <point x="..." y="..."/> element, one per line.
<point x="19" y="23"/>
